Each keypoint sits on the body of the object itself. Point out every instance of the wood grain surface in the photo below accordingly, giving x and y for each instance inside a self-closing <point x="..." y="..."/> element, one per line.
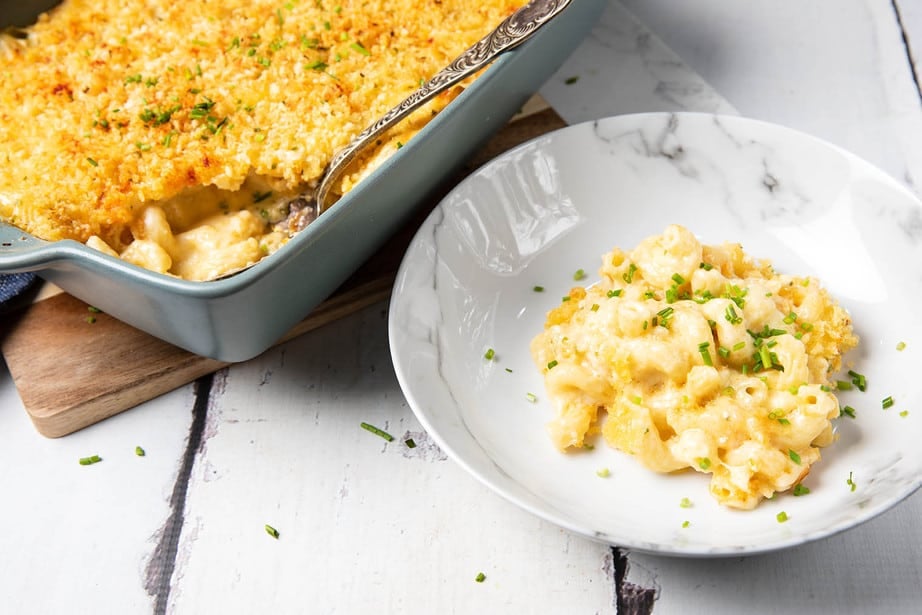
<point x="74" y="367"/>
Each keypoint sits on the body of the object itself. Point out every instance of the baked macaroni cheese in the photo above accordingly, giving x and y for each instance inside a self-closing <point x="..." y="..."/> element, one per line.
<point x="702" y="358"/>
<point x="178" y="135"/>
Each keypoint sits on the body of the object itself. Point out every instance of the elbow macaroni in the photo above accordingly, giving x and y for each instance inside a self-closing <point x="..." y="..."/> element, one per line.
<point x="700" y="358"/>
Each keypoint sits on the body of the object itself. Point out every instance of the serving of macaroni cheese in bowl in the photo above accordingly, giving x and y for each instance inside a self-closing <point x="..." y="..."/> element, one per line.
<point x="701" y="358"/>
<point x="150" y="146"/>
<point x="685" y="334"/>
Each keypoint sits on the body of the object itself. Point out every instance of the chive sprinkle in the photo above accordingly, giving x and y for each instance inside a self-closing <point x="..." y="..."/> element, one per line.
<point x="272" y="531"/>
<point x="887" y="402"/>
<point x="378" y="432"/>
<point x="579" y="275"/>
<point x="685" y="503"/>
<point x="794" y="456"/>
<point x="847" y="411"/>
<point x="686" y="523"/>
<point x="900" y="346"/>
<point x="88" y="461"/>
<point x="531" y="397"/>
<point x="705" y="353"/>
<point x="782" y="517"/>
<point x="859" y="380"/>
<point x="552" y="364"/>
<point x="603" y="473"/>
<point x="629" y="275"/>
<point x="410" y="442"/>
<point x="480" y="578"/>
<point x="800" y="489"/>
<point x="538" y="289"/>
<point x="614" y="293"/>
<point x="489" y="354"/>
<point x="140" y="452"/>
<point x="851" y="482"/>
<point x="704" y="463"/>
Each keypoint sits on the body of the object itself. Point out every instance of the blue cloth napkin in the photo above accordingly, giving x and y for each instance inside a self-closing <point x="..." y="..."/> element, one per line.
<point x="12" y="285"/>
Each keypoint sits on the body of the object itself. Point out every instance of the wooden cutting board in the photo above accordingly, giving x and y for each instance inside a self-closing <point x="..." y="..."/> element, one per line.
<point x="73" y="367"/>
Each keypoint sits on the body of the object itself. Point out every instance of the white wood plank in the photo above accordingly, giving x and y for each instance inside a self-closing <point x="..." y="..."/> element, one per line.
<point x="365" y="526"/>
<point x="80" y="538"/>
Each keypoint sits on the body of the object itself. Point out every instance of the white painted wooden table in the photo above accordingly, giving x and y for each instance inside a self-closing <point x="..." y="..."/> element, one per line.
<point x="371" y="527"/>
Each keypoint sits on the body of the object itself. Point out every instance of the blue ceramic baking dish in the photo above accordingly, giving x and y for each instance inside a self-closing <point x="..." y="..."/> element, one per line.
<point x="239" y="317"/>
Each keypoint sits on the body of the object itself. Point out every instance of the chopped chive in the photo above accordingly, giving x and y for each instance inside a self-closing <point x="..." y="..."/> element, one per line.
<point x="595" y="307"/>
<point x="790" y="318"/>
<point x="705" y="353"/>
<point x="765" y="357"/>
<point x="489" y="354"/>
<point x="552" y="364"/>
<point x="847" y="411"/>
<point x="794" y="456"/>
<point x="782" y="517"/>
<point x="637" y="399"/>
<point x="410" y="442"/>
<point x="579" y="275"/>
<point x="723" y="352"/>
<point x="565" y="298"/>
<point x="92" y="162"/>
<point x="887" y="402"/>
<point x="678" y="279"/>
<point x="851" y="482"/>
<point x="843" y="385"/>
<point x="731" y="316"/>
<point x="91" y="319"/>
<point x="140" y="452"/>
<point x="377" y="432"/>
<point x="88" y="461"/>
<point x="508" y="369"/>
<point x="859" y="380"/>
<point x="272" y="531"/>
<point x="904" y="413"/>
<point x="738" y="346"/>
<point x="901" y="346"/>
<point x="705" y="266"/>
<point x="571" y="80"/>
<point x="531" y="397"/>
<point x="629" y="275"/>
<point x="603" y="473"/>
<point x="480" y="578"/>
<point x="360" y="48"/>
<point x="614" y="293"/>
<point x="800" y="489"/>
<point x="538" y="289"/>
<point x="685" y="503"/>
<point x="704" y="463"/>
<point x="686" y="523"/>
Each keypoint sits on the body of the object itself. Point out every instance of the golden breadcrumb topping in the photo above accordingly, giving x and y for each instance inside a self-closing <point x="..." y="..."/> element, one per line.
<point x="109" y="105"/>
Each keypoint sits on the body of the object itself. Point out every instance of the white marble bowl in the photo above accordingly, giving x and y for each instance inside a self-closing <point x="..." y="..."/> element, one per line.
<point x="540" y="212"/>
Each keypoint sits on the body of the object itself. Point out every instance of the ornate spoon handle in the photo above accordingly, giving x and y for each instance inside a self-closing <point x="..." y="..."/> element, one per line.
<point x="513" y="31"/>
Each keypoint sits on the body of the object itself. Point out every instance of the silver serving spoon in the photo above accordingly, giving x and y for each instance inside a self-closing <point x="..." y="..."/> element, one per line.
<point x="513" y="31"/>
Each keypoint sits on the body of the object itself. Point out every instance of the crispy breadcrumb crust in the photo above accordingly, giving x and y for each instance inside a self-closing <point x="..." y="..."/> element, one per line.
<point x="109" y="105"/>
